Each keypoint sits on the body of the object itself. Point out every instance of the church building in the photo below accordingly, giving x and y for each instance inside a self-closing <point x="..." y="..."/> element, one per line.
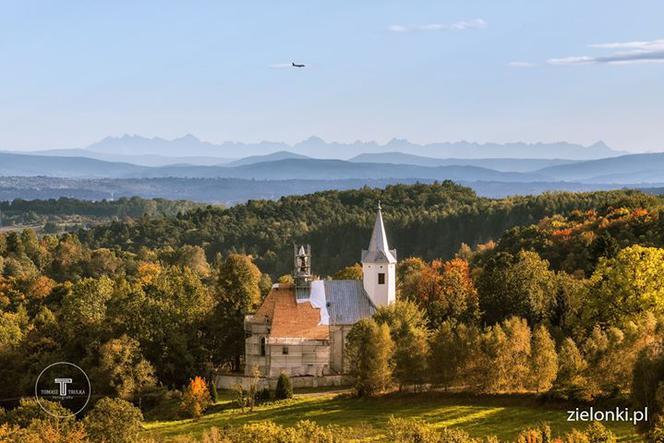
<point x="300" y="329"/>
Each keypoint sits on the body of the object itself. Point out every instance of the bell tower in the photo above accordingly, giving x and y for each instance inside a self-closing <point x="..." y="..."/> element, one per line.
<point x="302" y="265"/>
<point x="379" y="266"/>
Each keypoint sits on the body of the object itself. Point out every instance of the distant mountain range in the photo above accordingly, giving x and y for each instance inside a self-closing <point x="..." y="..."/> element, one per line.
<point x="189" y="168"/>
<point x="634" y="168"/>
<point x="190" y="146"/>
<point x="289" y="168"/>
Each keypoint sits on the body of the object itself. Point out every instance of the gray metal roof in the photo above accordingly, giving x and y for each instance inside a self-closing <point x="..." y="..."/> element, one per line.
<point x="347" y="302"/>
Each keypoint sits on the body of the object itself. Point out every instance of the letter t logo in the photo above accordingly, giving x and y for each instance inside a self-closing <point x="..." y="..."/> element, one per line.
<point x="63" y="382"/>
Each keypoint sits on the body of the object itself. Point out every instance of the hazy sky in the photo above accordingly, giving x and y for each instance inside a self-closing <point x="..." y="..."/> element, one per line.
<point x="578" y="70"/>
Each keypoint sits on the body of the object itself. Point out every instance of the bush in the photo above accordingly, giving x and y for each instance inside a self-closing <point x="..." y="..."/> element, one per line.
<point x="29" y="410"/>
<point x="196" y="398"/>
<point x="407" y="430"/>
<point x="304" y="431"/>
<point x="597" y="433"/>
<point x="535" y="435"/>
<point x="411" y="430"/>
<point x="284" y="388"/>
<point x="264" y="395"/>
<point x="113" y="420"/>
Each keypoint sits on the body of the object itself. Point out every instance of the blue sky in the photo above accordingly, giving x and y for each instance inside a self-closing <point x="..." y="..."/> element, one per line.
<point x="74" y="72"/>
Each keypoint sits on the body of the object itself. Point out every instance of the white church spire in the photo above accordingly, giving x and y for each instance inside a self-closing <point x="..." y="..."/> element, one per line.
<point x="379" y="251"/>
<point x="379" y="266"/>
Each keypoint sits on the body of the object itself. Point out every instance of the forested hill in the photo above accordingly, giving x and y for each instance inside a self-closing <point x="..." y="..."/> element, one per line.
<point x="429" y="221"/>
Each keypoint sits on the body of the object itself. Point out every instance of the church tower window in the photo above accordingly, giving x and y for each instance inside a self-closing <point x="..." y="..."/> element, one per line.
<point x="381" y="278"/>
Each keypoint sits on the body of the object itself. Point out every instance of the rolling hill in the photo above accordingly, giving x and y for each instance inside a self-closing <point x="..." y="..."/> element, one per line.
<point x="497" y="164"/>
<point x="315" y="169"/>
<point x="72" y="167"/>
<point x="634" y="168"/>
<point x="279" y="155"/>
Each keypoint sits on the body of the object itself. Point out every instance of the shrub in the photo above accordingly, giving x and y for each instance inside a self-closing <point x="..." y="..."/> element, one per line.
<point x="196" y="398"/>
<point x="45" y="431"/>
<point x="215" y="394"/>
<point x="411" y="430"/>
<point x="240" y="397"/>
<point x="113" y="420"/>
<point x="304" y="431"/>
<point x="264" y="395"/>
<point x="29" y="410"/>
<point x="597" y="433"/>
<point x="407" y="430"/>
<point x="541" y="434"/>
<point x="284" y="388"/>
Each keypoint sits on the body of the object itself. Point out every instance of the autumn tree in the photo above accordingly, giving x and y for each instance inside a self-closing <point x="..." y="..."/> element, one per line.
<point x="506" y="354"/>
<point x="647" y="389"/>
<point x="407" y="326"/>
<point x="353" y="272"/>
<point x="369" y="348"/>
<point x="443" y="289"/>
<point x="571" y="381"/>
<point x="543" y="360"/>
<point x="196" y="398"/>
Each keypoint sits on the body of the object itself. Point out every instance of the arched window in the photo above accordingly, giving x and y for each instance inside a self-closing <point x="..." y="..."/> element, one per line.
<point x="263" y="346"/>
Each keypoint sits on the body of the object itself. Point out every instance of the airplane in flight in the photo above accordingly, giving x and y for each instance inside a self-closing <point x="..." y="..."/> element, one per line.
<point x="295" y="65"/>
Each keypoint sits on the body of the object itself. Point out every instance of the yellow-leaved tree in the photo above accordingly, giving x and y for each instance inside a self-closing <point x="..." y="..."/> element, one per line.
<point x="196" y="398"/>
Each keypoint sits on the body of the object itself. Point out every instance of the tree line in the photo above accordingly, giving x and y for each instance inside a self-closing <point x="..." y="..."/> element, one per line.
<point x="428" y="221"/>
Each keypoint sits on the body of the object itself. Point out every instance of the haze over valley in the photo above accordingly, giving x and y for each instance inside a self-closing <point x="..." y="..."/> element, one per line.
<point x="232" y="172"/>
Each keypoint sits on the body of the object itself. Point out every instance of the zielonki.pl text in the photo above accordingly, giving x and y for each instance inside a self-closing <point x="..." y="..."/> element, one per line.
<point x="617" y="414"/>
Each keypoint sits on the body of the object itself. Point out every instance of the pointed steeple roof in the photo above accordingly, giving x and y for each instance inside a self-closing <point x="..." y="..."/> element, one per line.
<point x="379" y="251"/>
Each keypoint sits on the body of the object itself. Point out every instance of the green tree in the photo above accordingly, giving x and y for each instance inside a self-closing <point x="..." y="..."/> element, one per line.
<point x="521" y="285"/>
<point x="369" y="348"/>
<point x="626" y="286"/>
<point x="124" y="369"/>
<point x="114" y="420"/>
<point x="454" y="348"/>
<point x="238" y="292"/>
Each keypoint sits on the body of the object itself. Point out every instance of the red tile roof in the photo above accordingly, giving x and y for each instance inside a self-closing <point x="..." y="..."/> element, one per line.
<point x="290" y="319"/>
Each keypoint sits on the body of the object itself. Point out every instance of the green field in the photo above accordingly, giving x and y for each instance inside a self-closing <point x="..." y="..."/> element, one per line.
<point x="479" y="416"/>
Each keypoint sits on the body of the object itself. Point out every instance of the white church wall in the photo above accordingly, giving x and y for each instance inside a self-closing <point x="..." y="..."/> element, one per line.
<point x="380" y="294"/>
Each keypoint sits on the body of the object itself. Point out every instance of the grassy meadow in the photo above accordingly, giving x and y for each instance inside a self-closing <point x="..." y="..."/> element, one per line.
<point x="365" y="419"/>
